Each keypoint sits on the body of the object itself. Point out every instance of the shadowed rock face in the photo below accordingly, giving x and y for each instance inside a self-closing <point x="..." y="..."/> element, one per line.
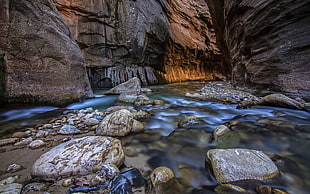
<point x="155" y="40"/>
<point x="266" y="43"/>
<point x="43" y="64"/>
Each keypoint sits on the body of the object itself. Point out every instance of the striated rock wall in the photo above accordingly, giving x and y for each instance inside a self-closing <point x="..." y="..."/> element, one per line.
<point x="155" y="40"/>
<point x="266" y="42"/>
<point x="119" y="39"/>
<point x="192" y="52"/>
<point x="43" y="64"/>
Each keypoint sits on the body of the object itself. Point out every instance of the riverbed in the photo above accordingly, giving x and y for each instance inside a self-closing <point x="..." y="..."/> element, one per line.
<point x="283" y="133"/>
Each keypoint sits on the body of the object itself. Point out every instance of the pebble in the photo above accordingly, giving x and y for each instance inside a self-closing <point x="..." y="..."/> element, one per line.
<point x="14" y="168"/>
<point x="36" y="144"/>
<point x="68" y="129"/>
<point x="24" y="142"/>
<point x="67" y="182"/>
<point x="20" y="135"/>
<point x="7" y="141"/>
<point x="35" y="187"/>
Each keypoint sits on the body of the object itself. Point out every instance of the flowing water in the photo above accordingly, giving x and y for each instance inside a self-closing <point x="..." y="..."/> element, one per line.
<point x="283" y="132"/>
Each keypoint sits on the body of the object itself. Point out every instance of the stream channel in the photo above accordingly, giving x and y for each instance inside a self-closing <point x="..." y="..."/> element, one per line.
<point x="283" y="132"/>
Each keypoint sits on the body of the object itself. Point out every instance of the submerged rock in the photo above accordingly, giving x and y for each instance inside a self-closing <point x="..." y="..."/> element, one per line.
<point x="229" y="189"/>
<point x="241" y="164"/>
<point x="78" y="157"/>
<point x="190" y="121"/>
<point x="119" y="123"/>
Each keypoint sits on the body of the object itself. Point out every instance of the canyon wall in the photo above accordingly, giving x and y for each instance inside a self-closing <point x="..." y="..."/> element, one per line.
<point x="41" y="62"/>
<point x="266" y="42"/>
<point x="156" y="40"/>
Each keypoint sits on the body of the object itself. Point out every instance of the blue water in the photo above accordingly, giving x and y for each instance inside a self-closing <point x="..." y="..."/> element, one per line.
<point x="277" y="136"/>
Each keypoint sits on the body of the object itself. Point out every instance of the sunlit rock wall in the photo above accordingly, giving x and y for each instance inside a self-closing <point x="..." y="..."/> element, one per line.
<point x="266" y="42"/>
<point x="42" y="63"/>
<point x="155" y="40"/>
<point x="192" y="52"/>
<point x="119" y="39"/>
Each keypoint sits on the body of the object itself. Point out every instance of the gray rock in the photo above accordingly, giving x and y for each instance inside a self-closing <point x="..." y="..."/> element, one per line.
<point x="241" y="164"/>
<point x="119" y="123"/>
<point x="7" y="141"/>
<point x="24" y="141"/>
<point x="68" y="129"/>
<point x="36" y="144"/>
<point x="14" y="168"/>
<point x="281" y="100"/>
<point x="91" y="122"/>
<point x="133" y="84"/>
<point x="220" y="131"/>
<point x="8" y="186"/>
<point x="78" y="157"/>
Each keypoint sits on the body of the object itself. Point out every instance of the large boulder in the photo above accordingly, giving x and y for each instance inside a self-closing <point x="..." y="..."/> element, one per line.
<point x="43" y="63"/>
<point x="281" y="100"/>
<point x="119" y="123"/>
<point x="241" y="164"/>
<point x="78" y="157"/>
<point x="266" y="43"/>
<point x="133" y="84"/>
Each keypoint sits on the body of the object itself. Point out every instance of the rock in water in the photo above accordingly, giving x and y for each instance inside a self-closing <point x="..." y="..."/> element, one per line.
<point x="133" y="84"/>
<point x="241" y="164"/>
<point x="281" y="100"/>
<point x="119" y="123"/>
<point x="78" y="156"/>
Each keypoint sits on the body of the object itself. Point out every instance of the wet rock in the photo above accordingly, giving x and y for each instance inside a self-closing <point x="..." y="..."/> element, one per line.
<point x="14" y="168"/>
<point x="78" y="157"/>
<point x="281" y="100"/>
<point x="91" y="122"/>
<point x="190" y="121"/>
<point x="220" y="131"/>
<point x="133" y="84"/>
<point x="135" y="177"/>
<point x="120" y="184"/>
<point x="36" y="144"/>
<point x="265" y="189"/>
<point x="67" y="182"/>
<point x="7" y="141"/>
<point x="24" y="141"/>
<point x="68" y="129"/>
<point x="20" y="135"/>
<point x="134" y="97"/>
<point x="230" y="189"/>
<point x="34" y="187"/>
<point x="119" y="123"/>
<point x="8" y="185"/>
<point x="107" y="171"/>
<point x="162" y="180"/>
<point x="141" y="114"/>
<point x="41" y="134"/>
<point x="241" y="164"/>
<point x="161" y="175"/>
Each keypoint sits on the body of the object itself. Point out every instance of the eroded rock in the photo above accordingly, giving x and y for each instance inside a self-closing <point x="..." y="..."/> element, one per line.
<point x="78" y="156"/>
<point x="241" y="164"/>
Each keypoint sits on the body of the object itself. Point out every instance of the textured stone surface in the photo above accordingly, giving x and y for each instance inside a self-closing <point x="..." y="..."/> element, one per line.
<point x="133" y="84"/>
<point x="78" y="157"/>
<point x="192" y="53"/>
<point x="43" y="63"/>
<point x="266" y="43"/>
<point x="241" y="164"/>
<point x="118" y="123"/>
<point x="157" y="41"/>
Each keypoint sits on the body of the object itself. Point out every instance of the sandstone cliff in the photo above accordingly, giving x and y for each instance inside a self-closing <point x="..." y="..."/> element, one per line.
<point x="42" y="63"/>
<point x="155" y="40"/>
<point x="266" y="42"/>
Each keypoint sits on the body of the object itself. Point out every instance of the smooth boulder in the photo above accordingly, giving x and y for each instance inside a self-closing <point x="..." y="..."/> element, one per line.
<point x="241" y="164"/>
<point x="78" y="157"/>
<point x="118" y="123"/>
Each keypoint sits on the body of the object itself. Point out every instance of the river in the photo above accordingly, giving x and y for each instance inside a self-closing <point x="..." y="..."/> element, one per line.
<point x="283" y="132"/>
